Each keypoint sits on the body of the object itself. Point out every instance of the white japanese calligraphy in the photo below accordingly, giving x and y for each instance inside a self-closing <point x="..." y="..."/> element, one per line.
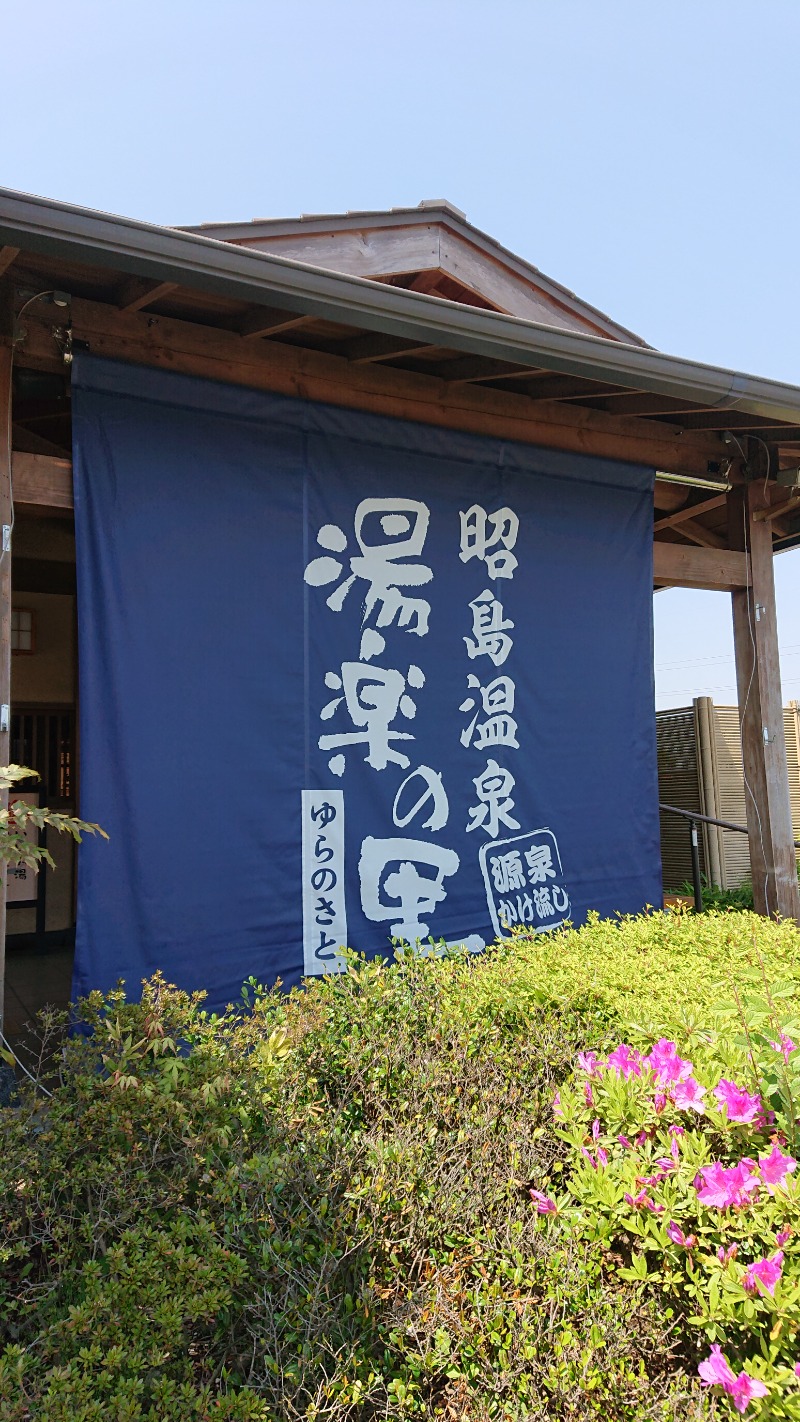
<point x="507" y="871"/>
<point x="372" y="697"/>
<point x="509" y="867"/>
<point x="433" y="794"/>
<point x="493" y="787"/>
<point x="392" y="886"/>
<point x="539" y="859"/>
<point x="489" y="629"/>
<point x="324" y="913"/>
<point x="500" y="728"/>
<point x="477" y="542"/>
<point x="389" y="533"/>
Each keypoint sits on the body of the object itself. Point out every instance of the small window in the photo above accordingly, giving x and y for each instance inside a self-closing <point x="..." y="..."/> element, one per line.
<point x="23" y="630"/>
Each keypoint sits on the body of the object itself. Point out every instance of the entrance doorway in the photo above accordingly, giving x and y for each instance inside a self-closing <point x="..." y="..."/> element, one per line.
<point x="40" y="924"/>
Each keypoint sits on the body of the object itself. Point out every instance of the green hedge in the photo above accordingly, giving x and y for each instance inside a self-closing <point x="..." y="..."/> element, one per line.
<point x="318" y="1205"/>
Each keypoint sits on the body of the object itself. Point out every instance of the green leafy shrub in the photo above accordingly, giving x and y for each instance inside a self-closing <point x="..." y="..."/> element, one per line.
<point x="317" y="1205"/>
<point x="683" y="1170"/>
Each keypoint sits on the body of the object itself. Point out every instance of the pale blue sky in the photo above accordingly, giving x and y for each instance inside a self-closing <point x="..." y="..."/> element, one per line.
<point x="644" y="154"/>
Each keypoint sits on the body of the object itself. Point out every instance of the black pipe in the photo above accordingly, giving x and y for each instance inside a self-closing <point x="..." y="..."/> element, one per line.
<point x="696" y="876"/>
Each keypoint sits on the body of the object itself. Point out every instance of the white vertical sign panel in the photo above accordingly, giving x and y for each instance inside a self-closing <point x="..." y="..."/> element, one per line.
<point x="324" y="912"/>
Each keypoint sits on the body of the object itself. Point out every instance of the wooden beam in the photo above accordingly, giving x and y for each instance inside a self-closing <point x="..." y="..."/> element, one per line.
<point x="42" y="481"/>
<point x="692" y="511"/>
<point x="7" y="256"/>
<point x="675" y="565"/>
<point x="773" y="860"/>
<point x="270" y="323"/>
<point x="171" y="344"/>
<point x="135" y="295"/>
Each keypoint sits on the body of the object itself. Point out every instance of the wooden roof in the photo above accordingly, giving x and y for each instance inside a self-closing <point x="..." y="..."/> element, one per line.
<point x="187" y="301"/>
<point x="431" y="248"/>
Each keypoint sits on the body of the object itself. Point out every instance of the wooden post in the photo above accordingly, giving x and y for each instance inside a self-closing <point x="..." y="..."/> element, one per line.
<point x="709" y="785"/>
<point x="773" y="859"/>
<point x="5" y="597"/>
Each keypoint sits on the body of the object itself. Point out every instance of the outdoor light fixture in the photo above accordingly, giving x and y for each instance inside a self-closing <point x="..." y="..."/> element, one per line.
<point x="62" y="335"/>
<point x="715" y="485"/>
<point x="790" y="478"/>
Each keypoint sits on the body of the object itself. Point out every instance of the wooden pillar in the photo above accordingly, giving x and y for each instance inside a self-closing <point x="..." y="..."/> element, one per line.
<point x="5" y="599"/>
<point x="773" y="858"/>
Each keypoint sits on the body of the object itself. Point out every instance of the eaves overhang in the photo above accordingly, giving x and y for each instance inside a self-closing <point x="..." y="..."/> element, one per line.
<point x="167" y="254"/>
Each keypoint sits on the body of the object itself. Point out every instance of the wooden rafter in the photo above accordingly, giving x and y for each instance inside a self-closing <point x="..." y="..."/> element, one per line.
<point x="363" y="350"/>
<point x="468" y="370"/>
<point x="691" y="512"/>
<point x="7" y="256"/>
<point x="136" y="295"/>
<point x="270" y="323"/>
<point x="704" y="537"/>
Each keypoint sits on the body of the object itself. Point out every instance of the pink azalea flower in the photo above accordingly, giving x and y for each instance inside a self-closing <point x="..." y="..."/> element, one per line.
<point x="660" y="1101"/>
<point x="688" y="1095"/>
<point x="588" y="1094"/>
<point x="744" y="1389"/>
<point x="595" y="1130"/>
<point x="544" y="1204"/>
<point x="625" y="1061"/>
<point x="717" y="1371"/>
<point x="797" y="1370"/>
<point x="600" y="1159"/>
<point x="557" y="1111"/>
<point x="665" y="1064"/>
<point x="587" y="1061"/>
<point x="642" y="1201"/>
<point x="782" y="1236"/>
<point x="740" y="1105"/>
<point x="725" y="1255"/>
<point x="724" y="1186"/>
<point x="775" y="1167"/>
<point x="785" y="1046"/>
<point x="677" y="1130"/>
<point x="765" y="1272"/>
<point x="676" y="1234"/>
<point x="623" y="1140"/>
